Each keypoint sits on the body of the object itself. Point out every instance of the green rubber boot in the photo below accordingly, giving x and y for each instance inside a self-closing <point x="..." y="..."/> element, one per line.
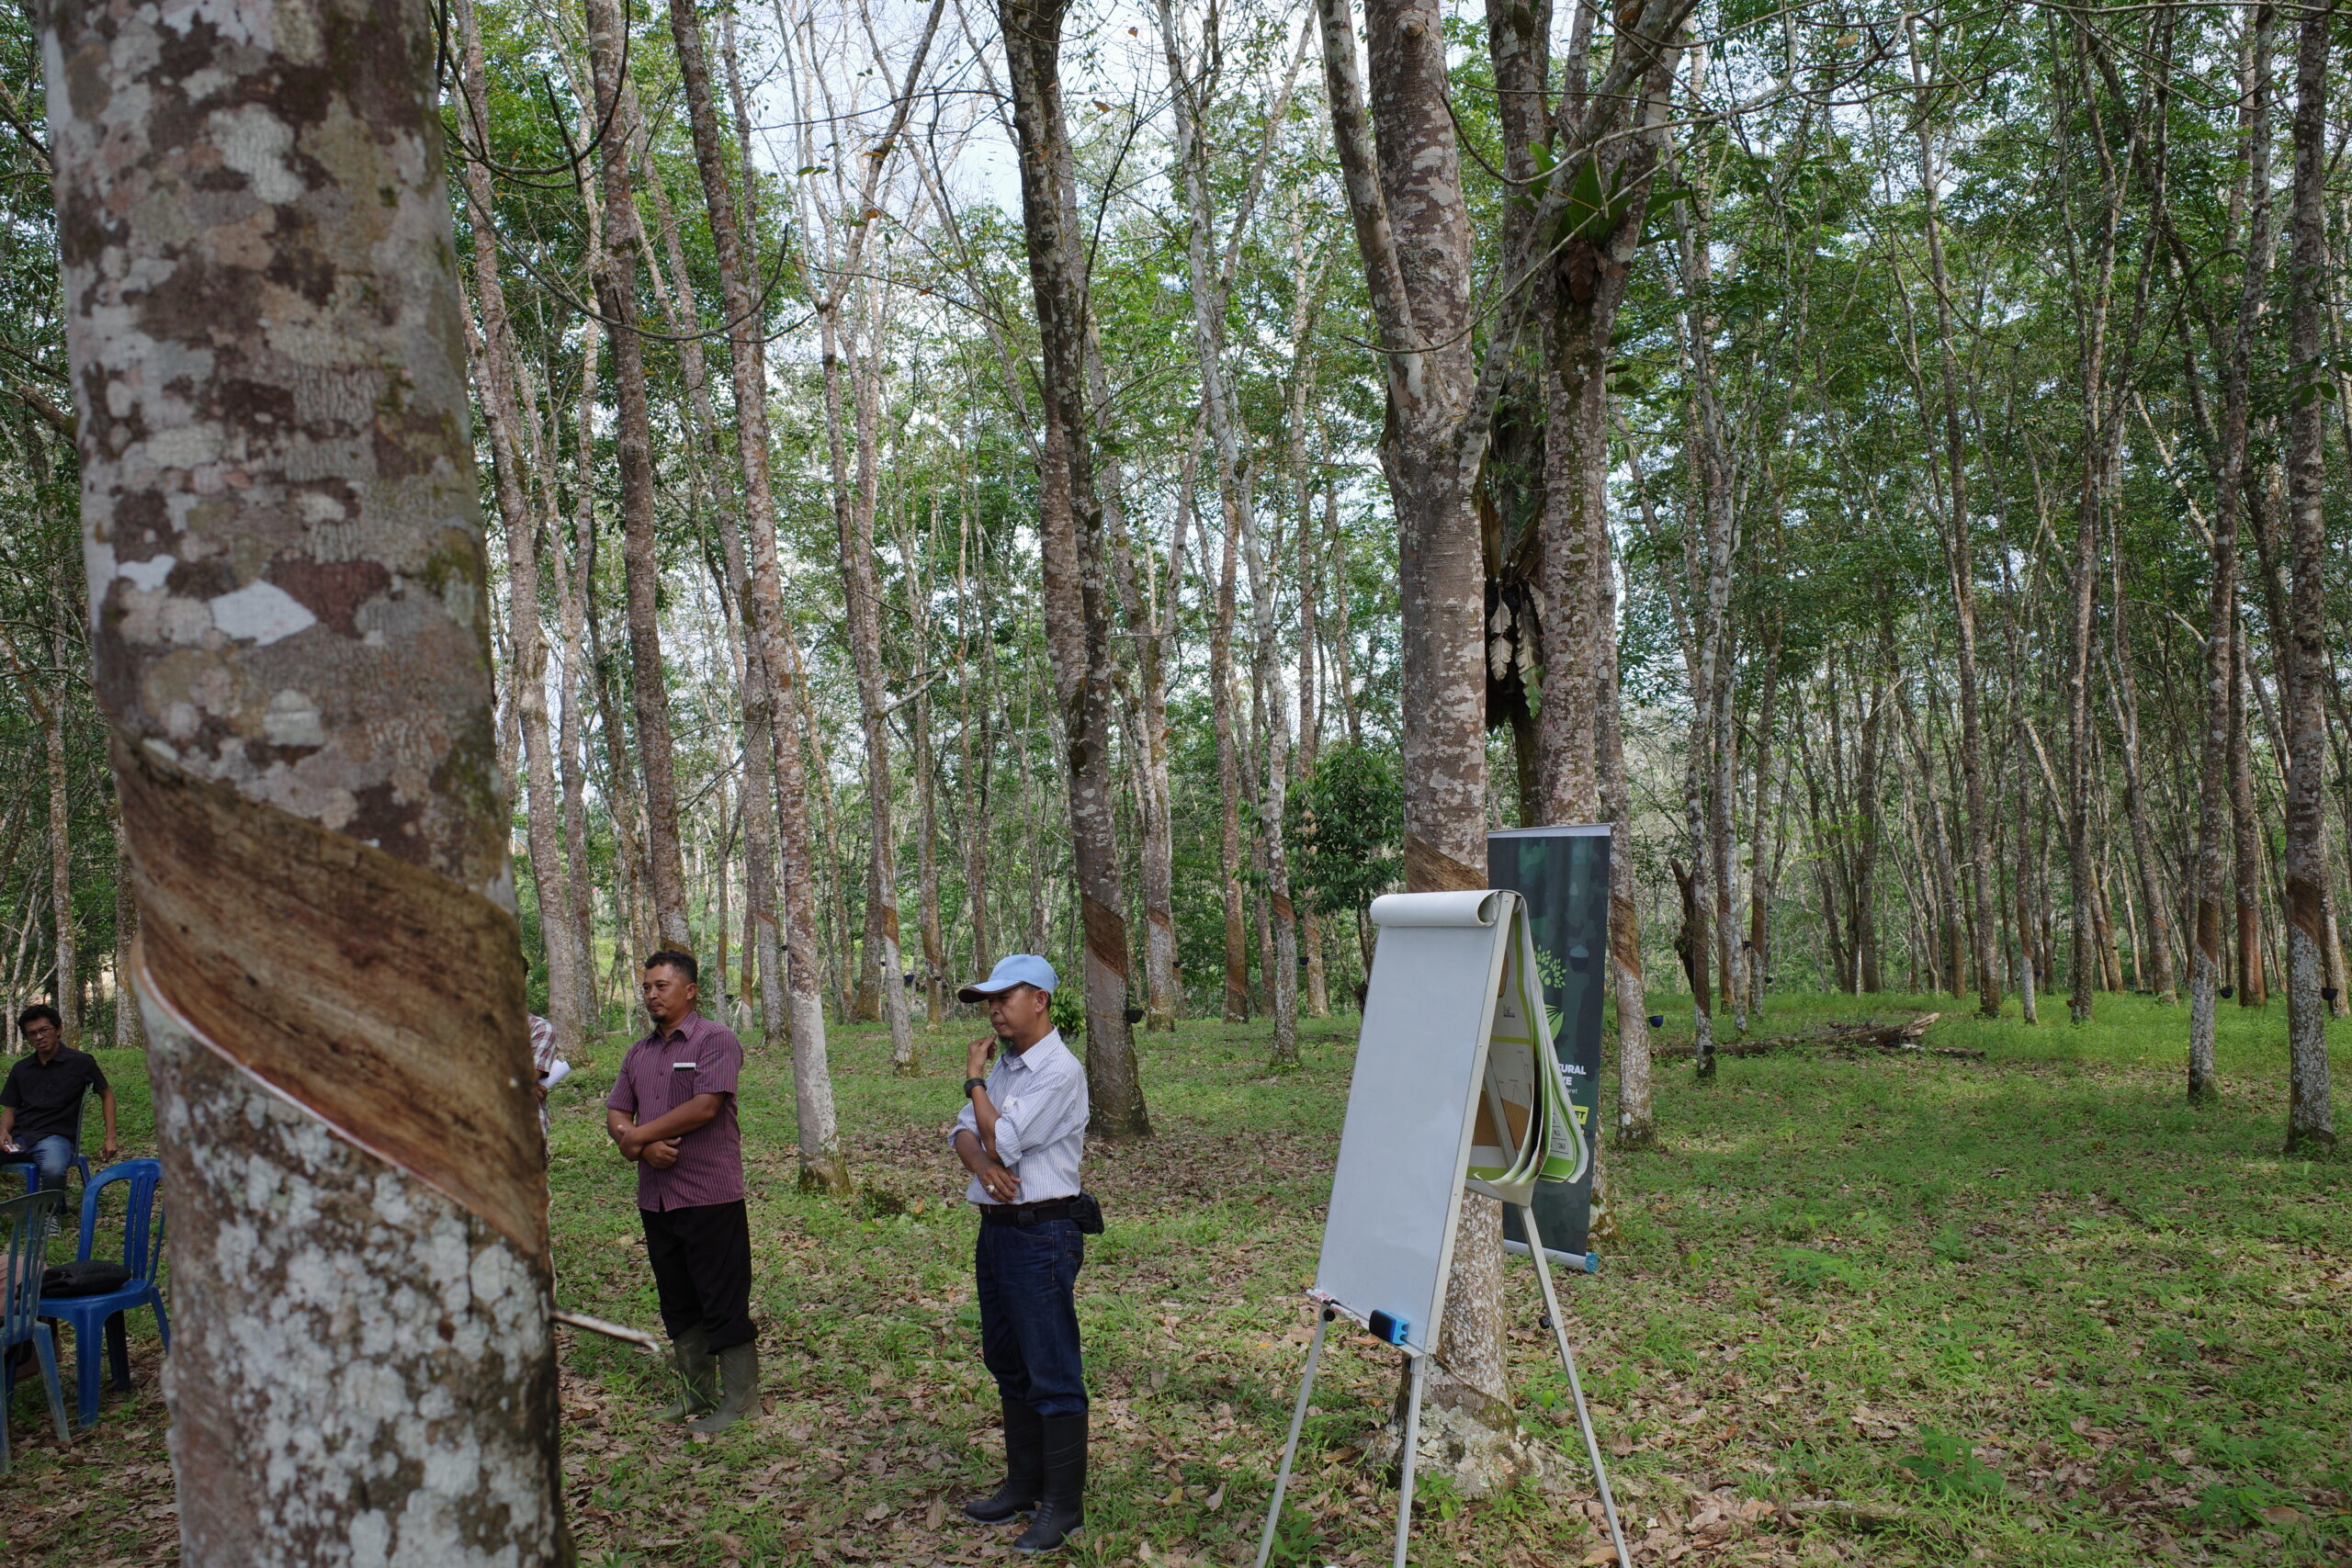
<point x="739" y="1376"/>
<point x="690" y="1359"/>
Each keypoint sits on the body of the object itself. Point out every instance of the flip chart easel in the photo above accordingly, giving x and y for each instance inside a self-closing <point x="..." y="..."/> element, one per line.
<point x="1453" y="1037"/>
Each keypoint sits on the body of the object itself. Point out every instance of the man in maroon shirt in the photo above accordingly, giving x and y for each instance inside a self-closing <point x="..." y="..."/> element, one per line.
<point x="673" y="1113"/>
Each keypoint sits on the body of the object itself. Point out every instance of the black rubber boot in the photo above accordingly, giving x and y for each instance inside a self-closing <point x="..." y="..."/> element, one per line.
<point x="690" y="1358"/>
<point x="739" y="1376"/>
<point x="1024" y="1468"/>
<point x="1062" y="1507"/>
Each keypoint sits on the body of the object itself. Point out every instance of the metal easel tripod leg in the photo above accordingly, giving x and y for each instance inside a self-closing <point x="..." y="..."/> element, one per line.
<point x="1412" y="1452"/>
<point x="1575" y="1385"/>
<point x="1297" y="1421"/>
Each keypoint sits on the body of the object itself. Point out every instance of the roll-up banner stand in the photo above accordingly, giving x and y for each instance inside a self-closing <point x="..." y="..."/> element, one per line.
<point x="1563" y="873"/>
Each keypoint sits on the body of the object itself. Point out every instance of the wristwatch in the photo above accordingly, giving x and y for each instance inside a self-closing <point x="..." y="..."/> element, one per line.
<point x="971" y="1083"/>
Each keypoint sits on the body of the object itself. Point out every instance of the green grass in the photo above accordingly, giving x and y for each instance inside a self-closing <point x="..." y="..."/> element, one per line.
<point x="1912" y="1309"/>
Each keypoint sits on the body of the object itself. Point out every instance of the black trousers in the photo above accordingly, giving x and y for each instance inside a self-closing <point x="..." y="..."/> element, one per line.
<point x="702" y="1266"/>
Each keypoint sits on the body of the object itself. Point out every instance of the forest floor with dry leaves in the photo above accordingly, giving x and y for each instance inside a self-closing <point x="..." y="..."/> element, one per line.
<point x="1897" y="1309"/>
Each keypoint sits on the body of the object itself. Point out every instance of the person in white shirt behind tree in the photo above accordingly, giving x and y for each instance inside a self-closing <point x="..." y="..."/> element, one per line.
<point x="1021" y="1133"/>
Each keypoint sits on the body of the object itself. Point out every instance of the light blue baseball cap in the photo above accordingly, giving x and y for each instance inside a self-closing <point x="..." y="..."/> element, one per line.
<point x="1013" y="969"/>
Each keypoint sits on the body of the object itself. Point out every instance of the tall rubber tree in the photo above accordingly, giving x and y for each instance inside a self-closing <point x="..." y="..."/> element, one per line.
<point x="1071" y="538"/>
<point x="2311" y="1115"/>
<point x="1400" y="160"/>
<point x="289" y="592"/>
<point x="790" y="998"/>
<point x="617" y="299"/>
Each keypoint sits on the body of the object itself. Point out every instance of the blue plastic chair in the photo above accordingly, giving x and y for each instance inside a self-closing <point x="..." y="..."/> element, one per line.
<point x="24" y="1228"/>
<point x="142" y="1254"/>
<point x="81" y="1160"/>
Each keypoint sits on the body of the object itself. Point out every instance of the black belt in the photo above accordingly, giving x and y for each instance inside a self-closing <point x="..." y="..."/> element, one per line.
<point x="1024" y="1213"/>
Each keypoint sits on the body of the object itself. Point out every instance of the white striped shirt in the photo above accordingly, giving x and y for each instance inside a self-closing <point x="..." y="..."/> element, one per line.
<point x="1040" y="1111"/>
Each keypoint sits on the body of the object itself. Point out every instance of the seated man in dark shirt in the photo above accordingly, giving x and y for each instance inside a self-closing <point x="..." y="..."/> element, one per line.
<point x="41" y="1105"/>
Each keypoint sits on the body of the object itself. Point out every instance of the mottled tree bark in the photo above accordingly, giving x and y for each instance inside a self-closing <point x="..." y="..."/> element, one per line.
<point x="2310" y="1114"/>
<point x="291" y="610"/>
<point x="1070" y="520"/>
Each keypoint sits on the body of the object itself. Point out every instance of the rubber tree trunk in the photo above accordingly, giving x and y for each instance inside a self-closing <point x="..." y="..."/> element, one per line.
<point x="64" y="993"/>
<point x="128" y="1033"/>
<point x="360" y="1256"/>
<point x="1069" y="526"/>
<point x="2158" y="945"/>
<point x="1629" y="986"/>
<point x="1153" y="628"/>
<point x="1228" y="778"/>
<point x="1310" y="735"/>
<point x="1156" y="649"/>
<point x="2311" y="1116"/>
<point x="1237" y="504"/>
<point x="2208" y="960"/>
<point x="572" y="590"/>
<point x="786" y="948"/>
<point x="1960" y="558"/>
<point x="934" y="944"/>
<point x="616" y="283"/>
<point x="1871" y="807"/>
<point x="526" y="642"/>
<point x="1271" y="778"/>
<point x="1582" y="771"/>
<point x="2096" y="294"/>
<point x="854" y="508"/>
<point x="1708" y="569"/>
<point x="1413" y="235"/>
<point x="1765" y="864"/>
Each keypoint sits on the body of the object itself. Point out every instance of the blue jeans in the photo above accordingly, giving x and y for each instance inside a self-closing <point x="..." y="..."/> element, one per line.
<point x="1028" y="1277"/>
<point x="53" y="1157"/>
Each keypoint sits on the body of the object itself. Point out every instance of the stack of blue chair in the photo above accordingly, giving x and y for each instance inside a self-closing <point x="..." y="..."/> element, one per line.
<point x="24" y="1236"/>
<point x="142" y="1256"/>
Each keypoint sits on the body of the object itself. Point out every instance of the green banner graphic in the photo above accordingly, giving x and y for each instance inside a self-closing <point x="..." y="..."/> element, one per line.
<point x="1563" y="873"/>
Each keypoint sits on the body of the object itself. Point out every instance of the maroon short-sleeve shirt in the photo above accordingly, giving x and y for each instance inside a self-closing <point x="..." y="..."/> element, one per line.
<point x="662" y="1072"/>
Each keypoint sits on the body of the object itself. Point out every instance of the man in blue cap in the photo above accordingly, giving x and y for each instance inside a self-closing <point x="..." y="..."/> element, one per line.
<point x="1021" y="1133"/>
